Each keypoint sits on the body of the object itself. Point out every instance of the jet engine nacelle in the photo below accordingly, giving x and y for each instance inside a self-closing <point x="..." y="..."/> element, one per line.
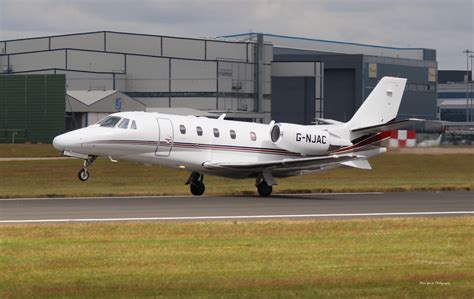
<point x="307" y="140"/>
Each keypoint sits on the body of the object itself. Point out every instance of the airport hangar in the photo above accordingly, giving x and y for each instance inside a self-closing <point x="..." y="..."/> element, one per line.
<point x="251" y="76"/>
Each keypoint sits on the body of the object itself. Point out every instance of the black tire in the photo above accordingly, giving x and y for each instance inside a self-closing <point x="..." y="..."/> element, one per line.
<point x="197" y="188"/>
<point x="83" y="174"/>
<point x="264" y="189"/>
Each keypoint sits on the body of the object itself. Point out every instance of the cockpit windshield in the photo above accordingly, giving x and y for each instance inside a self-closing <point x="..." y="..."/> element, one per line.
<point x="109" y="122"/>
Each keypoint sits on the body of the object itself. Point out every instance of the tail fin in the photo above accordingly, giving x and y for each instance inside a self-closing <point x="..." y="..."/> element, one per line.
<point x="381" y="106"/>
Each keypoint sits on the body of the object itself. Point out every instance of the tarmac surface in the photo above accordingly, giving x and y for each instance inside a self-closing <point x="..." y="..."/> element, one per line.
<point x="186" y="208"/>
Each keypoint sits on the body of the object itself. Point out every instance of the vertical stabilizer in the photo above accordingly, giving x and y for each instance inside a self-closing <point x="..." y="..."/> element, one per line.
<point x="381" y="106"/>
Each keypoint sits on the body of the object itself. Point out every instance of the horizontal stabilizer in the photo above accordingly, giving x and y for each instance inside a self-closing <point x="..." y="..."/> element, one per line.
<point x="359" y="163"/>
<point x="327" y="121"/>
<point x="392" y="125"/>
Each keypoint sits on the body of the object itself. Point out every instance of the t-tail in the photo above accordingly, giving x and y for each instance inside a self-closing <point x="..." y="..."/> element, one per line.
<point x="380" y="107"/>
<point x="374" y="119"/>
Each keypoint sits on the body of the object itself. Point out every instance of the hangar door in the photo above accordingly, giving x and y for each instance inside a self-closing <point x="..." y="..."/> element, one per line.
<point x="293" y="99"/>
<point x="339" y="94"/>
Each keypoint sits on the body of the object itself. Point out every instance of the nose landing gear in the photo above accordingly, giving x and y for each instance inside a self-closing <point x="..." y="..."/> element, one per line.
<point x="83" y="174"/>
<point x="196" y="184"/>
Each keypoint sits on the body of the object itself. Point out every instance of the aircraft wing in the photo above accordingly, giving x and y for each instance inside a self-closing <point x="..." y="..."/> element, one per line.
<point x="290" y="165"/>
<point x="391" y="125"/>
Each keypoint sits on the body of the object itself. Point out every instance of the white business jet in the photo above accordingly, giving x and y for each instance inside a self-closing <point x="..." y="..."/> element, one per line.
<point x="240" y="150"/>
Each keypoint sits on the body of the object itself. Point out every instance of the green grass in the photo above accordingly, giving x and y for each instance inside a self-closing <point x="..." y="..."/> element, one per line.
<point x="390" y="172"/>
<point x="27" y="150"/>
<point x="406" y="257"/>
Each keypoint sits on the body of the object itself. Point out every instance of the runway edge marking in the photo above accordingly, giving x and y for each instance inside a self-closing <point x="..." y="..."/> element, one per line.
<point x="185" y="196"/>
<point x="234" y="217"/>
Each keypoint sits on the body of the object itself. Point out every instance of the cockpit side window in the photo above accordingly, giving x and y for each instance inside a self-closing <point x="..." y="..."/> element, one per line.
<point x="109" y="122"/>
<point x="124" y="123"/>
<point x="134" y="125"/>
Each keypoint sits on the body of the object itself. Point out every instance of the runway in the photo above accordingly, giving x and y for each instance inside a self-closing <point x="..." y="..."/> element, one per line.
<point x="186" y="208"/>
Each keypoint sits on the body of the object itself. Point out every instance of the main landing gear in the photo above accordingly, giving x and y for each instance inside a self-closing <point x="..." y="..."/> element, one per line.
<point x="263" y="188"/>
<point x="83" y="174"/>
<point x="196" y="183"/>
<point x="264" y="183"/>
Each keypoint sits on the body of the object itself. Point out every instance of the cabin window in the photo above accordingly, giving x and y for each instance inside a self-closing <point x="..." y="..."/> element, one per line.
<point x="182" y="129"/>
<point x="232" y="134"/>
<point x="134" y="125"/>
<point x="253" y="136"/>
<point x="199" y="131"/>
<point x="216" y="132"/>
<point x="109" y="122"/>
<point x="124" y="123"/>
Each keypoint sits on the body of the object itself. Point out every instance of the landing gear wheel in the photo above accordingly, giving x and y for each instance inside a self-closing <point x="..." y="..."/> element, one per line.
<point x="196" y="183"/>
<point x="83" y="174"/>
<point x="197" y="188"/>
<point x="264" y="189"/>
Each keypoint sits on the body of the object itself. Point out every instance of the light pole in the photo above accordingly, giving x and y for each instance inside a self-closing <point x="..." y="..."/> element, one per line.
<point x="467" y="52"/>
<point x="470" y="89"/>
<point x="13" y="137"/>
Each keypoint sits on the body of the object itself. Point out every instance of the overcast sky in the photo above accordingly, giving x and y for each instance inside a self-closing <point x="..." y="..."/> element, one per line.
<point x="444" y="25"/>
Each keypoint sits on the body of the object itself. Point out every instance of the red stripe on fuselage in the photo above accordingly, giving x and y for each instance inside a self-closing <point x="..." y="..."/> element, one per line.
<point x="201" y="146"/>
<point x="366" y="142"/>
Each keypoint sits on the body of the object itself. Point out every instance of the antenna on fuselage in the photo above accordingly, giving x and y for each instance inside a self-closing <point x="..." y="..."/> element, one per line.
<point x="222" y="116"/>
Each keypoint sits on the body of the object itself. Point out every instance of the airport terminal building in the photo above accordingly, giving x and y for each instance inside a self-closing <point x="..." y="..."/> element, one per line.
<point x="251" y="77"/>
<point x="455" y="96"/>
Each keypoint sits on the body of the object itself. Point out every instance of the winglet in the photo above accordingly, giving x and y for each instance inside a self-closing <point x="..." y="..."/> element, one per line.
<point x="222" y="116"/>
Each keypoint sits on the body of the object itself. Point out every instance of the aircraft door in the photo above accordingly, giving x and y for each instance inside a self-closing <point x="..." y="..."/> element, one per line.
<point x="166" y="137"/>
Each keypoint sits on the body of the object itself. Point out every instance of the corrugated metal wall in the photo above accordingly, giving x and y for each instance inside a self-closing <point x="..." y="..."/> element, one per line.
<point x="160" y="71"/>
<point x="32" y="107"/>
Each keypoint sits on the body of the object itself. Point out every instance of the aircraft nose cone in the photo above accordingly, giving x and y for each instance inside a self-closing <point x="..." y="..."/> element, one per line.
<point x="58" y="143"/>
<point x="61" y="142"/>
<point x="68" y="141"/>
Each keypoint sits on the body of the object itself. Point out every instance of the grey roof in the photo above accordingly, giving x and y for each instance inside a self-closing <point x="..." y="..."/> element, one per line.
<point x="89" y="97"/>
<point x="455" y="103"/>
<point x="181" y="111"/>
<point x="321" y="45"/>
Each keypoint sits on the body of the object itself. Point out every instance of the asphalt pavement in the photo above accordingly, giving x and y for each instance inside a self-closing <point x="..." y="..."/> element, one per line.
<point x="186" y="208"/>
